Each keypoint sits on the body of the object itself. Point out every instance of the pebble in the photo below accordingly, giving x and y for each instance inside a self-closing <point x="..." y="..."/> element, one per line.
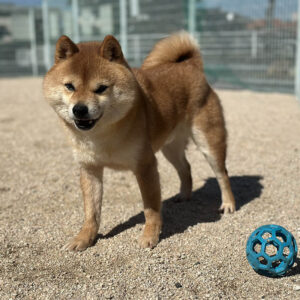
<point x="178" y="285"/>
<point x="296" y="287"/>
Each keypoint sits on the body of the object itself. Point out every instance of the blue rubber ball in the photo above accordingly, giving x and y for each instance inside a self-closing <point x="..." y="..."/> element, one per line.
<point x="271" y="250"/>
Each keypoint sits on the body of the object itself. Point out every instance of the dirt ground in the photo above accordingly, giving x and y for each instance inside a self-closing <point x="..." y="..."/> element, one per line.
<point x="201" y="253"/>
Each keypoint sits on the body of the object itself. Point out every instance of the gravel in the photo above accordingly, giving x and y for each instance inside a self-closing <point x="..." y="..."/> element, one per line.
<point x="201" y="253"/>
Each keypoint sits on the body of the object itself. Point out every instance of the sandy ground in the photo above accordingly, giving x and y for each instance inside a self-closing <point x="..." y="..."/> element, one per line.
<point x="201" y="253"/>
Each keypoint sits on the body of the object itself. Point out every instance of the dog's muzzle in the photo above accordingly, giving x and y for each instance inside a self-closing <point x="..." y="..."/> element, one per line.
<point x="85" y="124"/>
<point x="82" y="118"/>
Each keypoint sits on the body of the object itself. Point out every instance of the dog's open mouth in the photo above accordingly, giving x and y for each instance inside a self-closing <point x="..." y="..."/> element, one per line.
<point x="85" y="124"/>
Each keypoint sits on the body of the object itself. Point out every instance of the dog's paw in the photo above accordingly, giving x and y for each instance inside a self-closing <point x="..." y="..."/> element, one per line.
<point x="84" y="239"/>
<point x="148" y="241"/>
<point x="150" y="236"/>
<point x="79" y="243"/>
<point x="227" y="208"/>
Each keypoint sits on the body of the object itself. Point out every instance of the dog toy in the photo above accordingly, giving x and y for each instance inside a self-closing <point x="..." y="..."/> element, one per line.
<point x="271" y="250"/>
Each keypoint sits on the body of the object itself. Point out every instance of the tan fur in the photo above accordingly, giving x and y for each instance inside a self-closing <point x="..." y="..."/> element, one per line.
<point x="171" y="48"/>
<point x="158" y="107"/>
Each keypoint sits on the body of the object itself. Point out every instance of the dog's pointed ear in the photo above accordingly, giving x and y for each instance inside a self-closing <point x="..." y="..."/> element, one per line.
<point x="111" y="49"/>
<point x="65" y="48"/>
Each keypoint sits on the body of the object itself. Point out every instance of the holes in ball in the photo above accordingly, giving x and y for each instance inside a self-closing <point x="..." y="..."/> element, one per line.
<point x="286" y="251"/>
<point x="257" y="246"/>
<point x="262" y="260"/>
<point x="266" y="235"/>
<point x="271" y="249"/>
<point x="281" y="237"/>
<point x="276" y="263"/>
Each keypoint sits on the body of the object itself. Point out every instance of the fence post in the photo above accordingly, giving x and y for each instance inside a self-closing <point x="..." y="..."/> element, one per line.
<point x="123" y="25"/>
<point x="192" y="17"/>
<point x="136" y="44"/>
<point x="297" y="71"/>
<point x="45" y="13"/>
<point x="75" y="22"/>
<point x="254" y="44"/>
<point x="32" y="34"/>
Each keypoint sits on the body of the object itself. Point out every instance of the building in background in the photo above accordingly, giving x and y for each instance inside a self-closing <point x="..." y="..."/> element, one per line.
<point x="245" y="44"/>
<point x="22" y="41"/>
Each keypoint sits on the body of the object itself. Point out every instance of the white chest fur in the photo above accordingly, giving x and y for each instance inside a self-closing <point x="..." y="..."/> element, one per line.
<point x="108" y="152"/>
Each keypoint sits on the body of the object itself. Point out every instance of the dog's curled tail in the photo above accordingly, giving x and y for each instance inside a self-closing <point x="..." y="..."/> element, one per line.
<point x="176" y="48"/>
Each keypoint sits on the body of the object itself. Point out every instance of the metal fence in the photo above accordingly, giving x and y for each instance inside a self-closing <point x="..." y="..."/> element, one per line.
<point x="245" y="44"/>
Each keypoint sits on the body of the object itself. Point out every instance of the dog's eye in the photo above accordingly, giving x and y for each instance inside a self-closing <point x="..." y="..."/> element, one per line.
<point x="101" y="89"/>
<point x="70" y="87"/>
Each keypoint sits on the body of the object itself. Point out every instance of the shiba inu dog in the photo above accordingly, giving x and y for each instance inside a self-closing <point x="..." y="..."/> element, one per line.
<point x="118" y="117"/>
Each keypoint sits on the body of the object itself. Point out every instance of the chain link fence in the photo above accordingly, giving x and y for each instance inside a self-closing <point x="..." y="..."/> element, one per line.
<point x="245" y="44"/>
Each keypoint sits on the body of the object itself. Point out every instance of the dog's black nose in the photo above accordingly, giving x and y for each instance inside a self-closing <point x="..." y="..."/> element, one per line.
<point x="80" y="110"/>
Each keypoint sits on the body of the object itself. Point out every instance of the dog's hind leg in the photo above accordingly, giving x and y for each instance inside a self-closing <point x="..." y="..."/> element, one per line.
<point x="209" y="134"/>
<point x="174" y="152"/>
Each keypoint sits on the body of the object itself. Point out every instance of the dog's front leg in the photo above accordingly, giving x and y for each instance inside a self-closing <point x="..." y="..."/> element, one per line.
<point x="148" y="180"/>
<point x="92" y="189"/>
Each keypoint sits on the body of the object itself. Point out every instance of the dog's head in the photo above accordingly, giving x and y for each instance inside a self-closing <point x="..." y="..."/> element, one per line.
<point x="90" y="83"/>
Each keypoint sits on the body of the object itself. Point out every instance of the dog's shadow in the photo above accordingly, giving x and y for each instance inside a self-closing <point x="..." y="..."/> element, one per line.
<point x="202" y="207"/>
